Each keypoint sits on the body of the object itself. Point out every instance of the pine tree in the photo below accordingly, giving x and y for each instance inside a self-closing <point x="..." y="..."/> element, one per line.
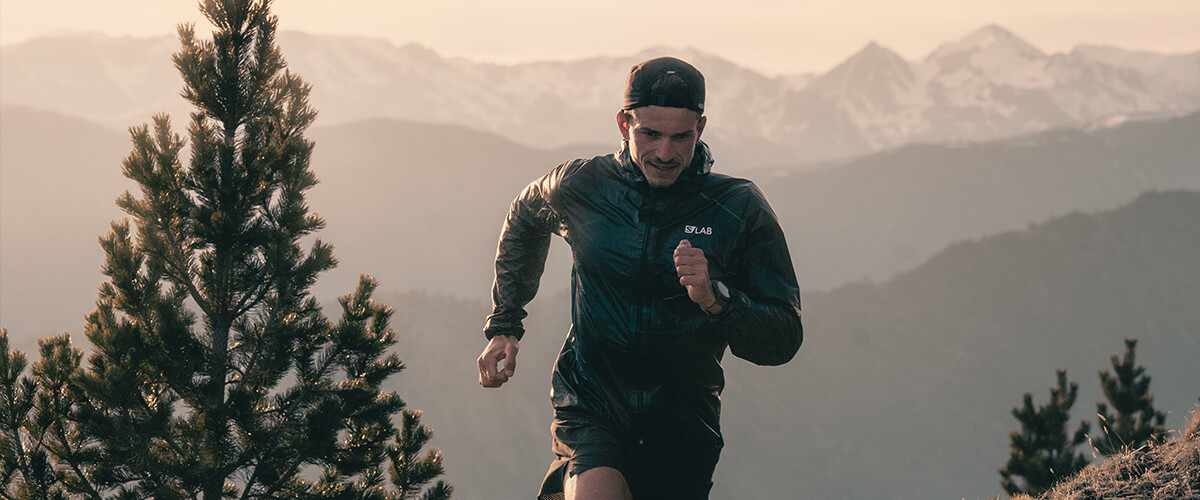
<point x="25" y="469"/>
<point x="32" y="434"/>
<point x="213" y="371"/>
<point x="1134" y="422"/>
<point x="1043" y="452"/>
<point x="411" y="471"/>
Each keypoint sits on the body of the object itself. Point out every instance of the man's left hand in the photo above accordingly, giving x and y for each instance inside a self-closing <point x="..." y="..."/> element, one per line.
<point x="692" y="267"/>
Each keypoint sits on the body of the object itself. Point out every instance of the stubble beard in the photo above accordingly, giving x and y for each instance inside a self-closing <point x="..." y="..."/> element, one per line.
<point x="664" y="173"/>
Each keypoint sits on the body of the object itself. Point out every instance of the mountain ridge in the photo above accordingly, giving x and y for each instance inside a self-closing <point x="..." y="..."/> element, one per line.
<point x="403" y="200"/>
<point x="889" y="211"/>
<point x="988" y="85"/>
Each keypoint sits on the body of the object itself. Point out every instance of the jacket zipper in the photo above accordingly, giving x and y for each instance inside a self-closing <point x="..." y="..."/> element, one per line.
<point x="651" y="201"/>
<point x="644" y="262"/>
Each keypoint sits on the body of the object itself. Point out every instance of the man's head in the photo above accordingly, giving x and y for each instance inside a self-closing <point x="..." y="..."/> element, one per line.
<point x="663" y="117"/>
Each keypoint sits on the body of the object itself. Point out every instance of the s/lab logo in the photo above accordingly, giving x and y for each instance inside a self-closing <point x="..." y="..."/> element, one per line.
<point x="697" y="230"/>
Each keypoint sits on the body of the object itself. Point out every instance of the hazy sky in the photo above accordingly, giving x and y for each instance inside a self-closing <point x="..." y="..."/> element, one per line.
<point x="774" y="36"/>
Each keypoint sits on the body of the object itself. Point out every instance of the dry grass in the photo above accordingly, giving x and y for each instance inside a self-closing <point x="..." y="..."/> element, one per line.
<point x="1170" y="471"/>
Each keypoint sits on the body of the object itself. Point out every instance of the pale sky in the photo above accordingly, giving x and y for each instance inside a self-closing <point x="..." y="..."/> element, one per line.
<point x="772" y="36"/>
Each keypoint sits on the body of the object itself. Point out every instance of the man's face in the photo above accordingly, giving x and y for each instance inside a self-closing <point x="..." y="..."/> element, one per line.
<point x="661" y="140"/>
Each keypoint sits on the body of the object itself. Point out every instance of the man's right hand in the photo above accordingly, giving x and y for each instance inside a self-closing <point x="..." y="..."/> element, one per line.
<point x="500" y="348"/>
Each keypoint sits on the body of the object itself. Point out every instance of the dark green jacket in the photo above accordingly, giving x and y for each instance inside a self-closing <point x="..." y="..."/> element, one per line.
<point x="639" y="351"/>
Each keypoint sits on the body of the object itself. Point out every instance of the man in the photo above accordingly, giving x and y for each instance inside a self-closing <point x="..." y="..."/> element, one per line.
<point x="672" y="264"/>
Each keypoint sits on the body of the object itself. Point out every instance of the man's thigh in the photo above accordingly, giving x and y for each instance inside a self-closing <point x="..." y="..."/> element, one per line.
<point x="601" y="483"/>
<point x="653" y="467"/>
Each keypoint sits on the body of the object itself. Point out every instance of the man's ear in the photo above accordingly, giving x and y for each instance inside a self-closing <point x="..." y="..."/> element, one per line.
<point x="623" y="123"/>
<point x="700" y="126"/>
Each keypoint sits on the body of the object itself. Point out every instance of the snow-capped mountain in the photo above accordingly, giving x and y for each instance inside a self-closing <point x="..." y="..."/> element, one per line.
<point x="987" y="85"/>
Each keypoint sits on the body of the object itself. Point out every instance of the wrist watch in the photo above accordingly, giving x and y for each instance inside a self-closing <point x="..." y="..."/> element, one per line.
<point x="721" y="292"/>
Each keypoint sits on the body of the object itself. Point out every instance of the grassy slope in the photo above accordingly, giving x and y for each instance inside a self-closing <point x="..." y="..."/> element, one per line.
<point x="1168" y="471"/>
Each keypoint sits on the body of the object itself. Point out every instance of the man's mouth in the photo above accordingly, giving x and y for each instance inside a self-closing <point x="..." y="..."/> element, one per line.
<point x="663" y="167"/>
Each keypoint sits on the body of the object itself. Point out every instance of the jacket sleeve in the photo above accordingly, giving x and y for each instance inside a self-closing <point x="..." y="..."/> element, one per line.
<point x="763" y="318"/>
<point x="521" y="256"/>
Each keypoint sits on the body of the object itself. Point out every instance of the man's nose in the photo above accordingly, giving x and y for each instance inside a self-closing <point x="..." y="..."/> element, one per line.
<point x="663" y="151"/>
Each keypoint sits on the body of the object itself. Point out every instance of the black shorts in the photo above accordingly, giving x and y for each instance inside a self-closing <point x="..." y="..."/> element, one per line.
<point x="654" y="465"/>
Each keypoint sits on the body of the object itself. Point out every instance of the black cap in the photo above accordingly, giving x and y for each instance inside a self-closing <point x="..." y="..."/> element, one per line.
<point x="667" y="82"/>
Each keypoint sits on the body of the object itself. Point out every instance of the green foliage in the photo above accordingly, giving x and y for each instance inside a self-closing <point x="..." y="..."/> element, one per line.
<point x="410" y="470"/>
<point x="1041" y="454"/>
<point x="213" y="372"/>
<point x="1134" y="422"/>
<point x="35" y="430"/>
<point x="1043" y="451"/>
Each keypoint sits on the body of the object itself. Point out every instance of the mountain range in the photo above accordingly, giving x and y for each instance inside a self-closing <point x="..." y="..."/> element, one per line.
<point x="987" y="85"/>
<point x="409" y="201"/>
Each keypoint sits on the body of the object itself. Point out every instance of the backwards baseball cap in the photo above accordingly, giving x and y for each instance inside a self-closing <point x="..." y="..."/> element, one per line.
<point x="667" y="82"/>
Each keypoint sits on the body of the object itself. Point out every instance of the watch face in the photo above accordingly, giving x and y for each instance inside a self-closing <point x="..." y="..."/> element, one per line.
<point x="722" y="290"/>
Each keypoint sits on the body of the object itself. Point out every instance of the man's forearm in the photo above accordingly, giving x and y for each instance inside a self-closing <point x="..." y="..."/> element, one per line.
<point x="762" y="333"/>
